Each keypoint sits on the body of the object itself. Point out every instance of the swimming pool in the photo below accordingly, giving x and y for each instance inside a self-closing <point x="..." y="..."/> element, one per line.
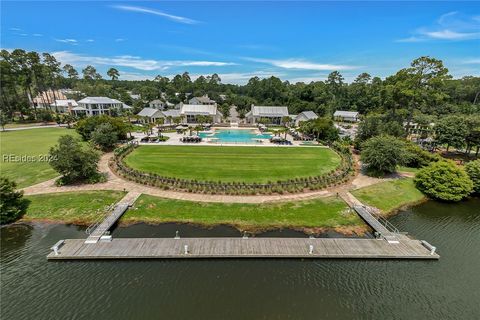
<point x="234" y="136"/>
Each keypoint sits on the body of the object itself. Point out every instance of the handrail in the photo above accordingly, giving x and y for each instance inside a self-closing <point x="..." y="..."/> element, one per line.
<point x="98" y="219"/>
<point x="390" y="227"/>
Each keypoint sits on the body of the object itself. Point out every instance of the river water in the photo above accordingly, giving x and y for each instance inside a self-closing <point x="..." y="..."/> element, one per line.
<point x="32" y="288"/>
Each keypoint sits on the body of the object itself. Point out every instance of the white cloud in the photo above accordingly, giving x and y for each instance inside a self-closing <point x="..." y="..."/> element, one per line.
<point x="132" y="61"/>
<point x="411" y="39"/>
<point x="472" y="61"/>
<point x="124" y="75"/>
<point x="23" y="34"/>
<point x="37" y="35"/>
<point x="452" y="35"/>
<point x="90" y="40"/>
<point x="15" y="29"/>
<point x="451" y="26"/>
<point x="70" y="41"/>
<point x="119" y="40"/>
<point x="300" y="64"/>
<point x="157" y="13"/>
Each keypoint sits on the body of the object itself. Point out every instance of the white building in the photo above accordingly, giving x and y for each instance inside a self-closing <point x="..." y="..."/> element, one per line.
<point x="305" y="116"/>
<point x="170" y="115"/>
<point x="350" y="116"/>
<point x="272" y="114"/>
<point x="157" y="104"/>
<point x="64" y="105"/>
<point x="201" y="100"/>
<point x="150" y="115"/>
<point x="99" y="105"/>
<point x="190" y="112"/>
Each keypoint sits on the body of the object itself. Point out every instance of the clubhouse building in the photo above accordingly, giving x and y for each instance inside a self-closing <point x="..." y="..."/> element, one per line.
<point x="267" y="114"/>
<point x="189" y="113"/>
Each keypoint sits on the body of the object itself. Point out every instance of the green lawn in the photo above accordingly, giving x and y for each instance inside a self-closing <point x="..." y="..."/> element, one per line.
<point x="31" y="142"/>
<point x="389" y="195"/>
<point x="71" y="207"/>
<point x="319" y="213"/>
<point x="241" y="164"/>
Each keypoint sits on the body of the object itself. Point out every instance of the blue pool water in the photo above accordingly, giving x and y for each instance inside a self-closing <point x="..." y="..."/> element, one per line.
<point x="234" y="136"/>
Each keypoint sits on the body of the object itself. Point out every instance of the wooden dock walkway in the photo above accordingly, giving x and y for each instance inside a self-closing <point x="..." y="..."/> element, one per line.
<point x="390" y="245"/>
<point x="120" y="208"/>
<point x="160" y="248"/>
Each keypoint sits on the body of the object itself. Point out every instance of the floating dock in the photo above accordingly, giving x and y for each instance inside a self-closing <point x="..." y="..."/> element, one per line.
<point x="161" y="248"/>
<point x="389" y="244"/>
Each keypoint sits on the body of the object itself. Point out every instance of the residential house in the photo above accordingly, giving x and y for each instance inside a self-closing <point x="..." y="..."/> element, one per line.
<point x="269" y="114"/>
<point x="157" y="104"/>
<point x="150" y="115"/>
<point x="134" y="96"/>
<point x="305" y="116"/>
<point x="205" y="100"/>
<point x="349" y="116"/>
<point x="190" y="112"/>
<point x="170" y="115"/>
<point x="100" y="105"/>
<point x="64" y="106"/>
<point x="45" y="99"/>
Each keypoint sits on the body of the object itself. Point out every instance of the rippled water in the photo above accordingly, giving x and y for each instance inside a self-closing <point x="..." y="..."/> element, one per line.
<point x="33" y="288"/>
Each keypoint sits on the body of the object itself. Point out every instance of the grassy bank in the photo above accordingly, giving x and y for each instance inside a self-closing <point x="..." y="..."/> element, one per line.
<point x="228" y="164"/>
<point x="318" y="214"/>
<point x="390" y="195"/>
<point x="34" y="143"/>
<point x="71" y="207"/>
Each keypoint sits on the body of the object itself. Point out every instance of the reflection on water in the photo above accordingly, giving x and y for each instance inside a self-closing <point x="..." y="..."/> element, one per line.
<point x="33" y="288"/>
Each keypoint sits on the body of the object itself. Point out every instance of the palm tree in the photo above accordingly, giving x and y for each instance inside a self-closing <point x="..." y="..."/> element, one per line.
<point x="286" y="120"/>
<point x="113" y="73"/>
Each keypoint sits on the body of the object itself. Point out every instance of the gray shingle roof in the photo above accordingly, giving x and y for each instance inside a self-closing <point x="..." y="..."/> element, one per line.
<point x="171" y="113"/>
<point x="309" y="115"/>
<point x="148" y="112"/>
<point x="198" y="109"/>
<point x="104" y="100"/>
<point x="269" y="111"/>
<point x="350" y="114"/>
<point x="204" y="99"/>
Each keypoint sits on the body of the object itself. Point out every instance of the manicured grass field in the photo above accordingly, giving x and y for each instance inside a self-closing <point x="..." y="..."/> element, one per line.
<point x="319" y="213"/>
<point x="71" y="207"/>
<point x="241" y="164"/>
<point x="31" y="142"/>
<point x="389" y="195"/>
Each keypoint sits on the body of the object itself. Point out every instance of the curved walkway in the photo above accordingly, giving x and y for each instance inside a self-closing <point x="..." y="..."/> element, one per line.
<point x="115" y="182"/>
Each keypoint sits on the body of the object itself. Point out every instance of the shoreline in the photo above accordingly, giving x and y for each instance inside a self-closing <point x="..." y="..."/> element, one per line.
<point x="349" y="231"/>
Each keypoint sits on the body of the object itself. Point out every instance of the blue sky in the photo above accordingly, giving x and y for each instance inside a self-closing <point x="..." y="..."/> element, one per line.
<point x="296" y="41"/>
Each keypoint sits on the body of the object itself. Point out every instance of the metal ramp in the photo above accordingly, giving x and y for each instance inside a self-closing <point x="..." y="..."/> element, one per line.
<point x="379" y="224"/>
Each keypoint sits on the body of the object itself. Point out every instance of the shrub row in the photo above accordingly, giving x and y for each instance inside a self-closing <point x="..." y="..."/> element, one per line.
<point x="340" y="175"/>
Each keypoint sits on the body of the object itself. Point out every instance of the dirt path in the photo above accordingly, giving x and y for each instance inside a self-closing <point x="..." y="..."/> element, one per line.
<point x="116" y="183"/>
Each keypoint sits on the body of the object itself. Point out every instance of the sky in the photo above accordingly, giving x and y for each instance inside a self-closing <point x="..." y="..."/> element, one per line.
<point x="296" y="41"/>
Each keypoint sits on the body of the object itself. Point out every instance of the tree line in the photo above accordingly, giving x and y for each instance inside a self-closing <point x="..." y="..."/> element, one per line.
<point x="424" y="87"/>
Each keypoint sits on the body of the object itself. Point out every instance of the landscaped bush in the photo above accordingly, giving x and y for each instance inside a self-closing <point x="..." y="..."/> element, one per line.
<point x="87" y="126"/>
<point x="416" y="157"/>
<point x="341" y="174"/>
<point x="74" y="163"/>
<point x="12" y="204"/>
<point x="105" y="136"/>
<point x="444" y="180"/>
<point x="473" y="171"/>
<point x="382" y="154"/>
